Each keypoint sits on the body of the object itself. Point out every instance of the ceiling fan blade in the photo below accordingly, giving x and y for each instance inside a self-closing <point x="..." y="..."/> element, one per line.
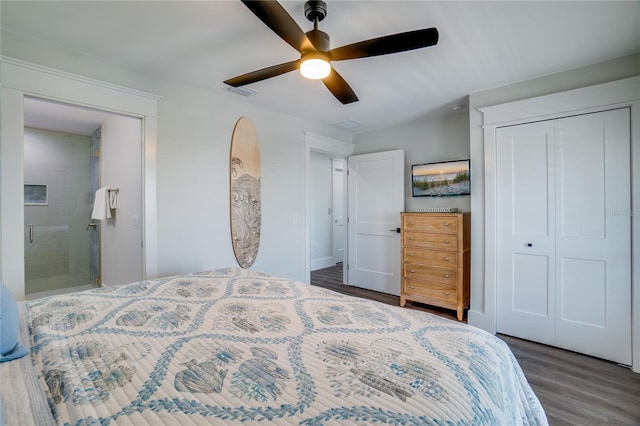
<point x="394" y="43"/>
<point x="263" y="74"/>
<point x="339" y="87"/>
<point x="280" y="22"/>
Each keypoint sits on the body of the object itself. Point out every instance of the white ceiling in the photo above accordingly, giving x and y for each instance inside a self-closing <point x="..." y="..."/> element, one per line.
<point x="201" y="43"/>
<point x="59" y="117"/>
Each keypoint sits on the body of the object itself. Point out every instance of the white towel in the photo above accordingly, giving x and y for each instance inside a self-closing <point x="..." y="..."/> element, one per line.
<point x="101" y="210"/>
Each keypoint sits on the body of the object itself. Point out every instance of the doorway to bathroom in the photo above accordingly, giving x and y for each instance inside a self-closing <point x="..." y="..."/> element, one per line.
<point x="66" y="160"/>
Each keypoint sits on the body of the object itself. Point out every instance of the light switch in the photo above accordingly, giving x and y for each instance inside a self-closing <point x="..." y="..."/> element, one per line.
<point x="136" y="221"/>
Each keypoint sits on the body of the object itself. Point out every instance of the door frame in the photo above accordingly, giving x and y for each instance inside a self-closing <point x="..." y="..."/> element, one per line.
<point x="334" y="250"/>
<point x="324" y="145"/>
<point x="617" y="94"/>
<point x="20" y="79"/>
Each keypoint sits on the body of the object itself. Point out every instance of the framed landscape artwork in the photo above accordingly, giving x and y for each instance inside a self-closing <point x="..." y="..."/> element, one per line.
<point x="444" y="179"/>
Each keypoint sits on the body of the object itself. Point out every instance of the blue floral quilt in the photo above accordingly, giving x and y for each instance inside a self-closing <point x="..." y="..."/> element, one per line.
<point x="237" y="346"/>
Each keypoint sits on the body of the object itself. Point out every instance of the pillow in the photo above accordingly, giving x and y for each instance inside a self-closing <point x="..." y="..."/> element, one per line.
<point x="10" y="348"/>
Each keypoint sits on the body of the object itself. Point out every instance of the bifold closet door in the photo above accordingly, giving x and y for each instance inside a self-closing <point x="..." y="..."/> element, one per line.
<point x="526" y="237"/>
<point x="564" y="233"/>
<point x="593" y="234"/>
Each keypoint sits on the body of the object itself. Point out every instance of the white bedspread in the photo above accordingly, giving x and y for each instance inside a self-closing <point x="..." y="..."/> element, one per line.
<point x="235" y="346"/>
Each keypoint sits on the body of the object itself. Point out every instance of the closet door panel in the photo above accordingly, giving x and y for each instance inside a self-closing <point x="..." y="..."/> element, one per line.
<point x="526" y="270"/>
<point x="580" y="178"/>
<point x="593" y="229"/>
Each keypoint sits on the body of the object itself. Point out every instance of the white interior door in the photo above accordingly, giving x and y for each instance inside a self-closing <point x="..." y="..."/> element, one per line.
<point x="564" y="233"/>
<point x="375" y="200"/>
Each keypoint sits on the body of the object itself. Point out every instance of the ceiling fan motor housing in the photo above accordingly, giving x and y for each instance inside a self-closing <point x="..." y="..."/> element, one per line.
<point x="315" y="9"/>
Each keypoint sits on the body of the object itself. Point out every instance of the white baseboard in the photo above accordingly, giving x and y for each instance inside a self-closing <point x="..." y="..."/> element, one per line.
<point x="322" y="263"/>
<point x="481" y="320"/>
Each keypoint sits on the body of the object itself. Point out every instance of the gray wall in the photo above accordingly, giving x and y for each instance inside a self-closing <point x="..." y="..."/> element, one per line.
<point x="121" y="168"/>
<point x="440" y="139"/>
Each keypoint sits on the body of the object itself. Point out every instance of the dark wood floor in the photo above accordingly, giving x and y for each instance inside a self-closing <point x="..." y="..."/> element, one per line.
<point x="574" y="389"/>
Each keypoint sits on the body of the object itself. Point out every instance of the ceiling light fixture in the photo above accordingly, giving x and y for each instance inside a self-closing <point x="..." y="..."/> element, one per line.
<point x="315" y="66"/>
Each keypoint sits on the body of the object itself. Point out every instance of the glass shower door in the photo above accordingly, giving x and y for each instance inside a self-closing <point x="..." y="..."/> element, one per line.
<point x="60" y="249"/>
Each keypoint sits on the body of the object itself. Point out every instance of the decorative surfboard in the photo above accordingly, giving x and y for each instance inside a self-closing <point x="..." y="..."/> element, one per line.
<point x="245" y="192"/>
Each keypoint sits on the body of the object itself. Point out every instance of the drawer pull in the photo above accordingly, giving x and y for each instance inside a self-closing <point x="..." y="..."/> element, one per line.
<point x="446" y="275"/>
<point x="412" y="271"/>
<point x="411" y="238"/>
<point x="446" y="224"/>
<point x="412" y="287"/>
<point x="446" y="241"/>
<point x="446" y="258"/>
<point x="446" y="293"/>
<point x="411" y="223"/>
<point x="411" y="254"/>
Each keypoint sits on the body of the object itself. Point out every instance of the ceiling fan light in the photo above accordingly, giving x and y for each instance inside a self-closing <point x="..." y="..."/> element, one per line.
<point x="315" y="67"/>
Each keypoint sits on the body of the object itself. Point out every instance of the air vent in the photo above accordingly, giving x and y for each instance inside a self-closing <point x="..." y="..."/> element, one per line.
<point x="348" y="124"/>
<point x="242" y="91"/>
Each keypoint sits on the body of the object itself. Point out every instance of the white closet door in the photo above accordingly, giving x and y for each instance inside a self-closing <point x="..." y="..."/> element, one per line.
<point x="564" y="233"/>
<point x="526" y="239"/>
<point x="593" y="234"/>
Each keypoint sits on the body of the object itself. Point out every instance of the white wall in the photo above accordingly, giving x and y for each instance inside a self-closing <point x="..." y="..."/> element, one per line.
<point x="320" y="203"/>
<point x="193" y="140"/>
<point x="121" y="168"/>
<point x="425" y="141"/>
<point x="582" y="77"/>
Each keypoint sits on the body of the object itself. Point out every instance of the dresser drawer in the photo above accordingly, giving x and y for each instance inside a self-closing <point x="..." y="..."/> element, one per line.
<point x="435" y="291"/>
<point x="433" y="224"/>
<point x="430" y="257"/>
<point x="420" y="272"/>
<point x="430" y="241"/>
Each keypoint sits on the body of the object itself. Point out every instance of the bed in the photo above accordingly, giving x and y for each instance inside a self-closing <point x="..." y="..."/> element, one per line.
<point x="233" y="346"/>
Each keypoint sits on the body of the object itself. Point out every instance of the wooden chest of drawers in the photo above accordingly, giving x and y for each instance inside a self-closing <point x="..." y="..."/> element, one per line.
<point x="436" y="258"/>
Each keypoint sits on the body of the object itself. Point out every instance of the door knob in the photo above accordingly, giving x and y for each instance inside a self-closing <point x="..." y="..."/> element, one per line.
<point x="92" y="225"/>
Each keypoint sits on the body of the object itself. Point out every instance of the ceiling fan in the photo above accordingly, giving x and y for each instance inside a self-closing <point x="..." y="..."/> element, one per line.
<point x="314" y="47"/>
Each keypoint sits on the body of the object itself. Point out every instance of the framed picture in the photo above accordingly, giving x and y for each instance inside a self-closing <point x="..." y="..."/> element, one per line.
<point x="444" y="179"/>
<point x="35" y="195"/>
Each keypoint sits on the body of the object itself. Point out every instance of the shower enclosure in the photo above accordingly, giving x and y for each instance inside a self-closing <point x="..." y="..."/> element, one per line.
<point x="62" y="244"/>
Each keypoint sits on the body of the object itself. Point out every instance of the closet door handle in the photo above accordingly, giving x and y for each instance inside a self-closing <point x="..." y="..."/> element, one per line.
<point x="31" y="232"/>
